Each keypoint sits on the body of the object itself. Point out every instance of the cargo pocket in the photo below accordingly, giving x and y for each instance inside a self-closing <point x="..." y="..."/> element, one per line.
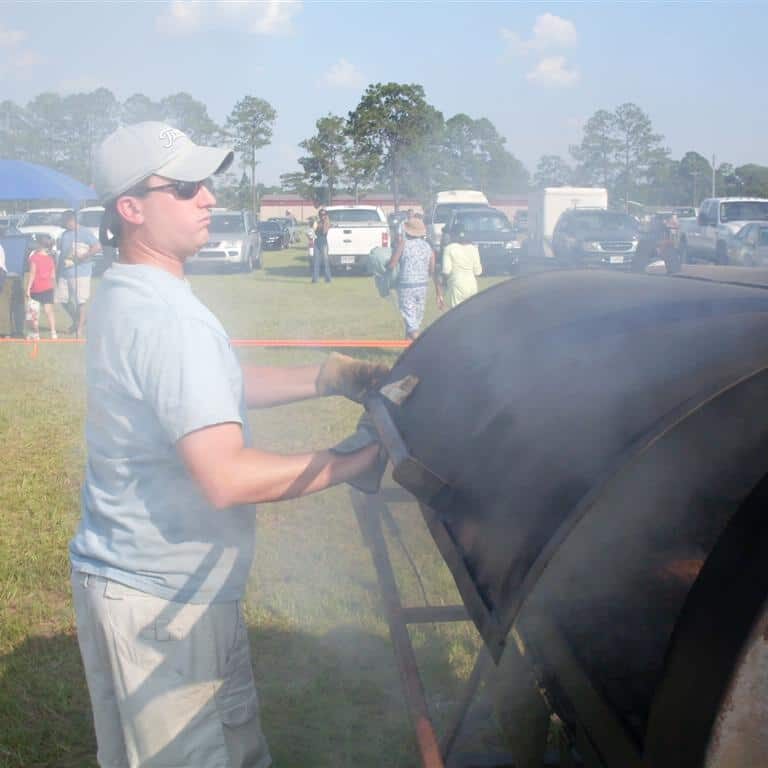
<point x="238" y="705"/>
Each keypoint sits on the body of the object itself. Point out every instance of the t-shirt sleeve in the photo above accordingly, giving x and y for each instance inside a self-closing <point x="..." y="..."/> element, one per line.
<point x="188" y="375"/>
<point x="84" y="236"/>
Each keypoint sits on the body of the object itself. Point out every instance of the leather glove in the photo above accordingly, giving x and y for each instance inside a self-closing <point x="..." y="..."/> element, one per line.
<point x="344" y="375"/>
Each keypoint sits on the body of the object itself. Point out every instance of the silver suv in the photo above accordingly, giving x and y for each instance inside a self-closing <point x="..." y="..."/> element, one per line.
<point x="233" y="242"/>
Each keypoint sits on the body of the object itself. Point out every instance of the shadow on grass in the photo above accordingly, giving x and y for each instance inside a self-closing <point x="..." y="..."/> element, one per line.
<point x="327" y="701"/>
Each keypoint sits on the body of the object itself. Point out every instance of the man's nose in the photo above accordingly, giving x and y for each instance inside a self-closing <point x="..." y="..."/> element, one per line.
<point x="206" y="198"/>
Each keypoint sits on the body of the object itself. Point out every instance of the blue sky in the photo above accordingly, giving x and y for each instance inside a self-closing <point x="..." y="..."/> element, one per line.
<point x="537" y="71"/>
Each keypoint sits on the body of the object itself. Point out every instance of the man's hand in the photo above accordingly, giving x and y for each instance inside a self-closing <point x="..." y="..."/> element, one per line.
<point x="346" y="376"/>
<point x="69" y="263"/>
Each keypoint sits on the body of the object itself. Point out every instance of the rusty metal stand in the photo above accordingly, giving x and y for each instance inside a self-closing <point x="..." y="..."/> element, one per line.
<point x="369" y="511"/>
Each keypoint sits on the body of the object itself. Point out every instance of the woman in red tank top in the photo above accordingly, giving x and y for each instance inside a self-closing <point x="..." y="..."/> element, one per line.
<point x="40" y="285"/>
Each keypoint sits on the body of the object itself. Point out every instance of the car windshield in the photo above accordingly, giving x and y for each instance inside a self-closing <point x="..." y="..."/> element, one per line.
<point x="269" y="226"/>
<point x="354" y="216"/>
<point x="685" y="213"/>
<point x="42" y="218"/>
<point x="89" y="218"/>
<point x="762" y="238"/>
<point x="744" y="210"/>
<point x="482" y="222"/>
<point x="227" y="223"/>
<point x="598" y="220"/>
<point x="443" y="212"/>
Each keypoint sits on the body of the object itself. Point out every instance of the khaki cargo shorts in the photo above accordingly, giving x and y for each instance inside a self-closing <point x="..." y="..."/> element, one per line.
<point x="171" y="684"/>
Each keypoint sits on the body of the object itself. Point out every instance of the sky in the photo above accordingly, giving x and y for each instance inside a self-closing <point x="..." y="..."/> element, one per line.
<point x="538" y="71"/>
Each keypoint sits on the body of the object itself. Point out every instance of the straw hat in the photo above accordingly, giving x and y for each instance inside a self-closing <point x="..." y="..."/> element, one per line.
<point x="414" y="227"/>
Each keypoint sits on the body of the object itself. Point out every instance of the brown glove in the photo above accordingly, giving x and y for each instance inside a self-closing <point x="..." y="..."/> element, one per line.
<point x="344" y="375"/>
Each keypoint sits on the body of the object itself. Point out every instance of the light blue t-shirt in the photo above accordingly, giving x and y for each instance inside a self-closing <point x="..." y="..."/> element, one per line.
<point x="66" y="244"/>
<point x="159" y="366"/>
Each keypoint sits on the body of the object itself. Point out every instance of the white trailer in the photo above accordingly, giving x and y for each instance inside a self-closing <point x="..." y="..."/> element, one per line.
<point x="545" y="207"/>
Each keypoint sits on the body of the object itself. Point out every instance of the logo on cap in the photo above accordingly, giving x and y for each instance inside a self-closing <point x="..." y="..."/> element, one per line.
<point x="169" y="136"/>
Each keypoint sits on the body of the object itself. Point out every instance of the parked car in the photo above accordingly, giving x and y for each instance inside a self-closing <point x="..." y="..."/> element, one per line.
<point x="708" y="236"/>
<point x="233" y="242"/>
<point x="749" y="246"/>
<point x="446" y="202"/>
<point x="273" y="235"/>
<point x="355" y="231"/>
<point x="585" y="236"/>
<point x="498" y="242"/>
<point x="42" y="221"/>
<point x="289" y="228"/>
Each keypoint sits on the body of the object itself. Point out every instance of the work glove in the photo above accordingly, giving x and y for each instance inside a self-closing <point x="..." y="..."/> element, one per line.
<point x="368" y="481"/>
<point x="346" y="376"/>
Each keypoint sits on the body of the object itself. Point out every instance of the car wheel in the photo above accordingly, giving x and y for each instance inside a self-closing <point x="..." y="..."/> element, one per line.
<point x="673" y="260"/>
<point x="721" y="253"/>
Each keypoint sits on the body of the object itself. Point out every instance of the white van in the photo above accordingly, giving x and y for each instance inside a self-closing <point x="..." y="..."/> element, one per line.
<point x="446" y="203"/>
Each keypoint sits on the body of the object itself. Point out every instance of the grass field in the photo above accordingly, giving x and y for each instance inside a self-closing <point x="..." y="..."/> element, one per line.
<point x="323" y="661"/>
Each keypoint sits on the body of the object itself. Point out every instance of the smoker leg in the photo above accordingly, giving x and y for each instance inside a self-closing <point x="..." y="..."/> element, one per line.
<point x="520" y="708"/>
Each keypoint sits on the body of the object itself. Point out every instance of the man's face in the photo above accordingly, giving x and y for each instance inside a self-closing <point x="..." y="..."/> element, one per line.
<point x="172" y="225"/>
<point x="69" y="222"/>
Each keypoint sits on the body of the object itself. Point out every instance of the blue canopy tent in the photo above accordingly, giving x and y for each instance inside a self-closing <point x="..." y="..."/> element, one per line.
<point x="20" y="180"/>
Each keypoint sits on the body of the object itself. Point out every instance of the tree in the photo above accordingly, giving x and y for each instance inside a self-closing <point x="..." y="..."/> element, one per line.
<point x="297" y="183"/>
<point x="696" y="175"/>
<point x="139" y="108"/>
<point x="618" y="150"/>
<point x="473" y="155"/>
<point x="388" y="121"/>
<point x="323" y="165"/>
<point x="552" y="171"/>
<point x="250" y="125"/>
<point x="596" y="155"/>
<point x="191" y="116"/>
<point x="753" y="180"/>
<point x="638" y="145"/>
<point x="359" y="171"/>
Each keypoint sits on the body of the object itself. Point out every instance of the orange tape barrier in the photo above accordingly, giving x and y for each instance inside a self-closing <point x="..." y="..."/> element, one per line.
<point x="309" y="343"/>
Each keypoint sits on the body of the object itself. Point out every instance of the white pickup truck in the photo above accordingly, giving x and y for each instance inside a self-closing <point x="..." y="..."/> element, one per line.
<point x="707" y="237"/>
<point x="355" y="231"/>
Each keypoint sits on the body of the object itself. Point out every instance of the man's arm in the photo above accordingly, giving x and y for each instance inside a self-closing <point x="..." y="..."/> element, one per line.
<point x="229" y="474"/>
<point x="266" y="387"/>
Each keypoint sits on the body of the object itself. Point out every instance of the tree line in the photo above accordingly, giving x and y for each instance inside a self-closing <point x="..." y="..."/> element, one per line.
<point x="393" y="140"/>
<point x="62" y="132"/>
<point x="619" y="150"/>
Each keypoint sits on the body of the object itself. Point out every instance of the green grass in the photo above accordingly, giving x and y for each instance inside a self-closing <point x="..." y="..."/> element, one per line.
<point x="323" y="661"/>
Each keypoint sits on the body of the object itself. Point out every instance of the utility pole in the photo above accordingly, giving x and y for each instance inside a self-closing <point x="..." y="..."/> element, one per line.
<point x="695" y="175"/>
<point x="714" y="176"/>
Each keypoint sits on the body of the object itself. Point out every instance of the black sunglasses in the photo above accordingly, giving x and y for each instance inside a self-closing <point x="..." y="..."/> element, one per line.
<point x="183" y="190"/>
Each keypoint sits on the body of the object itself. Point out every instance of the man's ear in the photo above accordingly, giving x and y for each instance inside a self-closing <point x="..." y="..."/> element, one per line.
<point x="130" y="209"/>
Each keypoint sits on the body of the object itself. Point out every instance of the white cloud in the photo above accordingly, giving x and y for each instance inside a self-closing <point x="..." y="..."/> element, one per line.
<point x="553" y="71"/>
<point x="269" y="17"/>
<point x="181" y="17"/>
<point x="343" y="74"/>
<point x="274" y="17"/>
<point x="11" y="37"/>
<point x="549" y="31"/>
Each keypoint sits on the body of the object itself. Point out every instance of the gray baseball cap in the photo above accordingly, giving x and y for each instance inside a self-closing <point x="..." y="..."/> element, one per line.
<point x="135" y="152"/>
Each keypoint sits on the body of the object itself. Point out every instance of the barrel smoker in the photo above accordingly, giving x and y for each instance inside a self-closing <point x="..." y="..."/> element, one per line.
<point x="590" y="451"/>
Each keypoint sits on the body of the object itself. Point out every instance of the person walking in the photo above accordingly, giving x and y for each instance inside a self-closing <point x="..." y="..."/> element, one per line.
<point x="320" y="250"/>
<point x="41" y="281"/>
<point x="165" y="540"/>
<point x="77" y="247"/>
<point x="460" y="269"/>
<point x="416" y="261"/>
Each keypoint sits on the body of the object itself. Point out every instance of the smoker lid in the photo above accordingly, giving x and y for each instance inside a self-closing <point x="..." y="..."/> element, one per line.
<point x="534" y="393"/>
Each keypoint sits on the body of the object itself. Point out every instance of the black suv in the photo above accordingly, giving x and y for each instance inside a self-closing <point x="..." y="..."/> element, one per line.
<point x="592" y="236"/>
<point x="489" y="229"/>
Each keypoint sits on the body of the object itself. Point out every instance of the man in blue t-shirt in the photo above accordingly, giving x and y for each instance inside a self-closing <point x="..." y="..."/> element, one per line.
<point x="77" y="247"/>
<point x="165" y="542"/>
